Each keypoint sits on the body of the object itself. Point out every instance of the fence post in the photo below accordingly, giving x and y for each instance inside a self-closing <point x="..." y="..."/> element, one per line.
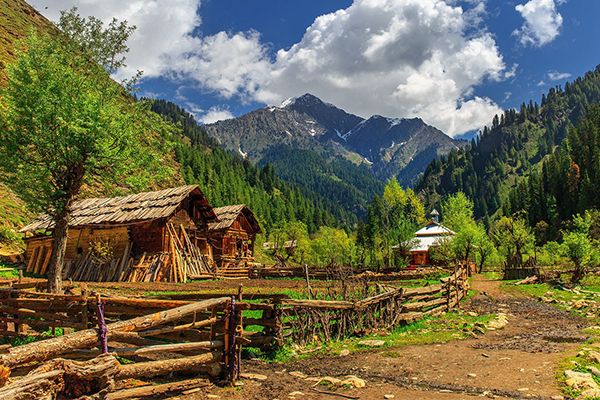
<point x="84" y="307"/>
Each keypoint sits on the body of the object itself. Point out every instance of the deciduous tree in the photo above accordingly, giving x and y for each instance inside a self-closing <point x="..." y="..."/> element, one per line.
<point x="64" y="121"/>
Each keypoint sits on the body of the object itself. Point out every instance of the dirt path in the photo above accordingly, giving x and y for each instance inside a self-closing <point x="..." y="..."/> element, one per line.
<point x="518" y="361"/>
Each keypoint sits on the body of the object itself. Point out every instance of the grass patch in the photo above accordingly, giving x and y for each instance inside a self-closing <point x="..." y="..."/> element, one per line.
<point x="439" y="329"/>
<point x="578" y="363"/>
<point x="26" y="339"/>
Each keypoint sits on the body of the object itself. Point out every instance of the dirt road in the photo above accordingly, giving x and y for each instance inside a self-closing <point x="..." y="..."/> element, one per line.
<point x="518" y="361"/>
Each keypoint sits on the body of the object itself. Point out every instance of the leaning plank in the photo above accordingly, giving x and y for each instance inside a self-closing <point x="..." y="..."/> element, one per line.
<point x="163" y="367"/>
<point x="46" y="349"/>
<point x="152" y="390"/>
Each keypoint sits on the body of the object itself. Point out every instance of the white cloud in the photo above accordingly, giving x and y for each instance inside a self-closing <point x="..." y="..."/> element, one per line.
<point x="542" y="22"/>
<point x="398" y="58"/>
<point x="558" y="76"/>
<point x="163" y="30"/>
<point x="216" y="113"/>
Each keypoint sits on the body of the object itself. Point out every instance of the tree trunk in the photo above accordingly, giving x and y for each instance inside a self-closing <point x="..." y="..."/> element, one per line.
<point x="59" y="247"/>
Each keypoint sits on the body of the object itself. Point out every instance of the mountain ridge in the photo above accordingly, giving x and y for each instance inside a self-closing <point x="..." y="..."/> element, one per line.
<point x="387" y="146"/>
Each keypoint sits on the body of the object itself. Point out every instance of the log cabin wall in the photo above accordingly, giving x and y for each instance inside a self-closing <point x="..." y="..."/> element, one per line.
<point x="148" y="237"/>
<point x="79" y="241"/>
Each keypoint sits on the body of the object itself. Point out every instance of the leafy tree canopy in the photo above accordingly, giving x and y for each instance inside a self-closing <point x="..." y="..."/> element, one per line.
<point x="64" y="122"/>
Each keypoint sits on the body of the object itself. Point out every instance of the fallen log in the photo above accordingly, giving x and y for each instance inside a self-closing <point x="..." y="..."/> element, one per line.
<point x="163" y="367"/>
<point x="155" y="390"/>
<point x="46" y="349"/>
<point x="65" y="379"/>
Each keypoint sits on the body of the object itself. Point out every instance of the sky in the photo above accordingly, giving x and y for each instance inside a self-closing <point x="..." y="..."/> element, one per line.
<point x="452" y="63"/>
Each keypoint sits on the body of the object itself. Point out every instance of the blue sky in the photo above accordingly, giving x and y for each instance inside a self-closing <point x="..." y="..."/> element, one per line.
<point x="452" y="63"/>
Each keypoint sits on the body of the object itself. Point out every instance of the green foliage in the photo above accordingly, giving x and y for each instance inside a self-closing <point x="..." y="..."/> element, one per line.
<point x="391" y="220"/>
<point x="105" y="46"/>
<point x="64" y="122"/>
<point x="331" y="246"/>
<point x="228" y="179"/>
<point x="566" y="184"/>
<point x="470" y="240"/>
<point x="577" y="245"/>
<point x="513" y="148"/>
<point x="513" y="237"/>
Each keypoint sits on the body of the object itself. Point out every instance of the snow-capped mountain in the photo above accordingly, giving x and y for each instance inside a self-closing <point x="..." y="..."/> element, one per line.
<point x="388" y="146"/>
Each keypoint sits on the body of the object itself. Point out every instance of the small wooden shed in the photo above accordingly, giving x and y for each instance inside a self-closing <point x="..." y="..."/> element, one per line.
<point x="134" y="224"/>
<point x="232" y="238"/>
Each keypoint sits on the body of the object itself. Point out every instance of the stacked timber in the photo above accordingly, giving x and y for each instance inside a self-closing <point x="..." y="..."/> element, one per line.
<point x="56" y="361"/>
<point x="183" y="261"/>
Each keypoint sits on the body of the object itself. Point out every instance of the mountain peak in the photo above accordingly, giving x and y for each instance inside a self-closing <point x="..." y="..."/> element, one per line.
<point x="306" y="99"/>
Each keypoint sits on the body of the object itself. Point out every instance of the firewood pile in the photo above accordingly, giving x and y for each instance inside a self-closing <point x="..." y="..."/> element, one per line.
<point x="87" y="363"/>
<point x="183" y="260"/>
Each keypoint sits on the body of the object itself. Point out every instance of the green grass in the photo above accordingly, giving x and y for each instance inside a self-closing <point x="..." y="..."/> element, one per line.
<point x="439" y="329"/>
<point x="26" y="339"/>
<point x="8" y="274"/>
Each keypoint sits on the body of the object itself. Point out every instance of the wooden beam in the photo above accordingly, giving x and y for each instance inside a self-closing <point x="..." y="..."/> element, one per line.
<point x="46" y="349"/>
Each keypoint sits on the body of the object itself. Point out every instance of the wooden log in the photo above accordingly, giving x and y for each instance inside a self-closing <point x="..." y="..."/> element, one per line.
<point x="193" y="325"/>
<point x="421" y="305"/>
<point x="378" y="298"/>
<point x="423" y="290"/>
<point x="163" y="367"/>
<point x="50" y="348"/>
<point x="157" y="349"/>
<point x="62" y="378"/>
<point x="157" y="390"/>
<point x="41" y="386"/>
<point x="338" y="305"/>
<point x="195" y="296"/>
<point x="38" y="314"/>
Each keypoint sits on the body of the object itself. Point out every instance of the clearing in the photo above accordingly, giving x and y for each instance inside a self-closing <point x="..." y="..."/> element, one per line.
<point x="518" y="361"/>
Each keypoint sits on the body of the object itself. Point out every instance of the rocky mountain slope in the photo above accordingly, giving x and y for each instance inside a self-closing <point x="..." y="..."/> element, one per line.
<point x="389" y="147"/>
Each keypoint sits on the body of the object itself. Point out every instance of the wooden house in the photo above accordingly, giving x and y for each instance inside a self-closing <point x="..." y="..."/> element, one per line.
<point x="232" y="238"/>
<point x="127" y="226"/>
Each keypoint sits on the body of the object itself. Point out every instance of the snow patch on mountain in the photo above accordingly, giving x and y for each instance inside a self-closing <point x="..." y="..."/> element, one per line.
<point x="288" y="102"/>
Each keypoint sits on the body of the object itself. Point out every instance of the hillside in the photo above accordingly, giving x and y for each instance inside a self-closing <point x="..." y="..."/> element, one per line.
<point x="226" y="179"/>
<point x="511" y="149"/>
<point x="388" y="147"/>
<point x="16" y="20"/>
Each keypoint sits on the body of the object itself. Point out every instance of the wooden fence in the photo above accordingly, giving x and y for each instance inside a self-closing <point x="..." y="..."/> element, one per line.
<point x="305" y="319"/>
<point x="206" y="331"/>
<point x="214" y="348"/>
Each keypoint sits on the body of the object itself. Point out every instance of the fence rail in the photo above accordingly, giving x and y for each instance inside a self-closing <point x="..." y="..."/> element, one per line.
<point x="206" y="331"/>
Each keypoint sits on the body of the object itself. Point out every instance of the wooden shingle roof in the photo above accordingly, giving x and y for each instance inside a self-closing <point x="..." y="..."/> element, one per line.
<point x="126" y="209"/>
<point x="228" y="214"/>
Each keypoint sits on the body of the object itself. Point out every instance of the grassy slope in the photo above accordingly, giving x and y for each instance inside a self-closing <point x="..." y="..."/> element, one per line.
<point x="17" y="18"/>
